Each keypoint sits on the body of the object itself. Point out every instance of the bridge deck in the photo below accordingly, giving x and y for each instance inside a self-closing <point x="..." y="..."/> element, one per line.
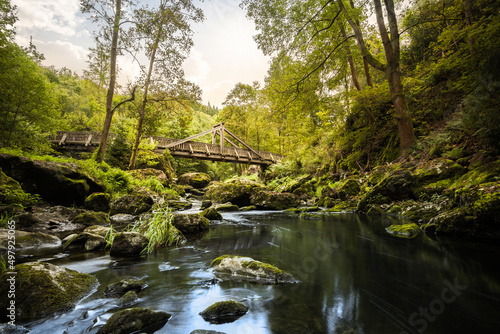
<point x="89" y="141"/>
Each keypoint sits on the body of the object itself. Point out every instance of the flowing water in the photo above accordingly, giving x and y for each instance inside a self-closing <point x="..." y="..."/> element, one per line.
<point x="353" y="278"/>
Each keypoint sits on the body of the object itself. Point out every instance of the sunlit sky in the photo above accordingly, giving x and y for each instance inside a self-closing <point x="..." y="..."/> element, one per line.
<point x="224" y="51"/>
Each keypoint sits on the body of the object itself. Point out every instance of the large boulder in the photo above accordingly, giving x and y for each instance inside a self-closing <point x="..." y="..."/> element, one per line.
<point x="190" y="223"/>
<point x="128" y="244"/>
<point x="98" y="202"/>
<point x="135" y="320"/>
<point x="133" y="204"/>
<point x="43" y="289"/>
<point x="12" y="194"/>
<point x="397" y="186"/>
<point x="237" y="191"/>
<point x="178" y="205"/>
<point x="91" y="239"/>
<point x="241" y="268"/>
<point x="26" y="240"/>
<point x="195" y="180"/>
<point x="56" y="182"/>
<point x="224" y="312"/>
<point x="407" y="231"/>
<point x="273" y="200"/>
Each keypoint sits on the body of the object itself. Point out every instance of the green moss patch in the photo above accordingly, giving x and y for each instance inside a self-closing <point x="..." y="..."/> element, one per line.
<point x="404" y="231"/>
<point x="224" y="312"/>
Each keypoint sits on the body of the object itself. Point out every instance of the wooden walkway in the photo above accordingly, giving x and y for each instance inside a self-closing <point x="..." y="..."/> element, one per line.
<point x="181" y="148"/>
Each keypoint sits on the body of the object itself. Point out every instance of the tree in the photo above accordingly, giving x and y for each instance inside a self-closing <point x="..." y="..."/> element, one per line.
<point x="28" y="104"/>
<point x="109" y="14"/>
<point x="306" y="31"/>
<point x="168" y="39"/>
<point x="7" y="19"/>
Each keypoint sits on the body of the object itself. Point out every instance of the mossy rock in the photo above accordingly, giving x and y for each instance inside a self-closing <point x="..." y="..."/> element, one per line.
<point x="196" y="180"/>
<point x="205" y="331"/>
<point x="248" y="208"/>
<point x="226" y="207"/>
<point x="133" y="204"/>
<point x="421" y="212"/>
<point x="376" y="210"/>
<point x="408" y="231"/>
<point x="178" y="205"/>
<point x="234" y="267"/>
<point x="487" y="207"/>
<point x="483" y="174"/>
<point x="211" y="214"/>
<point x="303" y="209"/>
<point x="309" y="216"/>
<point x="90" y="218"/>
<point x="128" y="244"/>
<point x="273" y="200"/>
<point x="135" y="320"/>
<point x="224" y="312"/>
<point x="237" y="191"/>
<point x="25" y="240"/>
<point x="120" y="288"/>
<point x="98" y="202"/>
<point x="128" y="298"/>
<point x="11" y="193"/>
<point x="205" y="204"/>
<point x="190" y="223"/>
<point x="56" y="183"/>
<point x="458" y="222"/>
<point x="43" y="290"/>
<point x="347" y="188"/>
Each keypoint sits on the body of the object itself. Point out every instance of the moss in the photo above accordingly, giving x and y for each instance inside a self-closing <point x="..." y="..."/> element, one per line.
<point x="488" y="206"/>
<point x="44" y="289"/>
<point x="11" y="192"/>
<point x="90" y="218"/>
<point x="404" y="231"/>
<point x="224" y="312"/>
<point x="218" y="260"/>
<point x="482" y="174"/>
<point x="135" y="320"/>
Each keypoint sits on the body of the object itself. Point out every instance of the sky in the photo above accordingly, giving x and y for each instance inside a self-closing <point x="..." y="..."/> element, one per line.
<point x="224" y="52"/>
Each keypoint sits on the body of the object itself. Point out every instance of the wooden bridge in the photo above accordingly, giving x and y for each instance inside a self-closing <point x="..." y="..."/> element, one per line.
<point x="181" y="148"/>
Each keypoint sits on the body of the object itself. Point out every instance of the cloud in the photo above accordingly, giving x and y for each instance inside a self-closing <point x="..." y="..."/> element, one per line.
<point x="57" y="16"/>
<point x="196" y="67"/>
<point x="63" y="54"/>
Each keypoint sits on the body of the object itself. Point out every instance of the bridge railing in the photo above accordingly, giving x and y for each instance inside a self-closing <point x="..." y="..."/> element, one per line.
<point x="215" y="149"/>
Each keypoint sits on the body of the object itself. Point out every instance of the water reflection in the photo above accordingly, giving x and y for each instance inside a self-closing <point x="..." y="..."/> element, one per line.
<point x="353" y="278"/>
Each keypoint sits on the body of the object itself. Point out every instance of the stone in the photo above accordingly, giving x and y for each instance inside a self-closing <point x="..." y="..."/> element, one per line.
<point x="46" y="290"/>
<point x="376" y="210"/>
<point x="235" y="191"/>
<point x="178" y="205"/>
<point x="190" y="223"/>
<point x="57" y="183"/>
<point x="224" y="312"/>
<point x="128" y="244"/>
<point x="25" y="240"/>
<point x="226" y="207"/>
<point x="120" y="288"/>
<point x="128" y="298"/>
<point x="92" y="238"/>
<point x="196" y="180"/>
<point x="273" y="200"/>
<point x="205" y="204"/>
<point x="211" y="214"/>
<point x="133" y="204"/>
<point x="122" y="218"/>
<point x="90" y="218"/>
<point x="26" y="220"/>
<point x="11" y="193"/>
<point x="98" y="202"/>
<point x="232" y="267"/>
<point x="404" y="231"/>
<point x="205" y="331"/>
<point x="135" y="320"/>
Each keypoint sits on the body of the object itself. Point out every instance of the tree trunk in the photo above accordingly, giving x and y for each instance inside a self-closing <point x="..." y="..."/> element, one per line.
<point x="111" y="88"/>
<point x="392" y="54"/>
<point x="468" y="19"/>
<point x="142" y="112"/>
<point x="354" y="76"/>
<point x="367" y="73"/>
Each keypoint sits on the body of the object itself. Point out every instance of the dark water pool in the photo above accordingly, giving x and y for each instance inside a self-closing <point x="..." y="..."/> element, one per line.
<point x="354" y="278"/>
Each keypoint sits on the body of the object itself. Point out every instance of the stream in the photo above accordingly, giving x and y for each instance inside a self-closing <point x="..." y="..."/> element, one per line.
<point x="352" y="277"/>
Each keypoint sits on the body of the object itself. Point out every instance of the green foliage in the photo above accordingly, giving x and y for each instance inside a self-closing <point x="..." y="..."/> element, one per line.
<point x="28" y="107"/>
<point x="160" y="231"/>
<point x="110" y="237"/>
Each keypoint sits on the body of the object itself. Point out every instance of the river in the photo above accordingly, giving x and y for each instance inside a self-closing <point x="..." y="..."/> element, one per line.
<point x="352" y="278"/>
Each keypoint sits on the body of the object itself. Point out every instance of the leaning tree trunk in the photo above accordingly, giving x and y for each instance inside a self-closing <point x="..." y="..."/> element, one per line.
<point x="111" y="88"/>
